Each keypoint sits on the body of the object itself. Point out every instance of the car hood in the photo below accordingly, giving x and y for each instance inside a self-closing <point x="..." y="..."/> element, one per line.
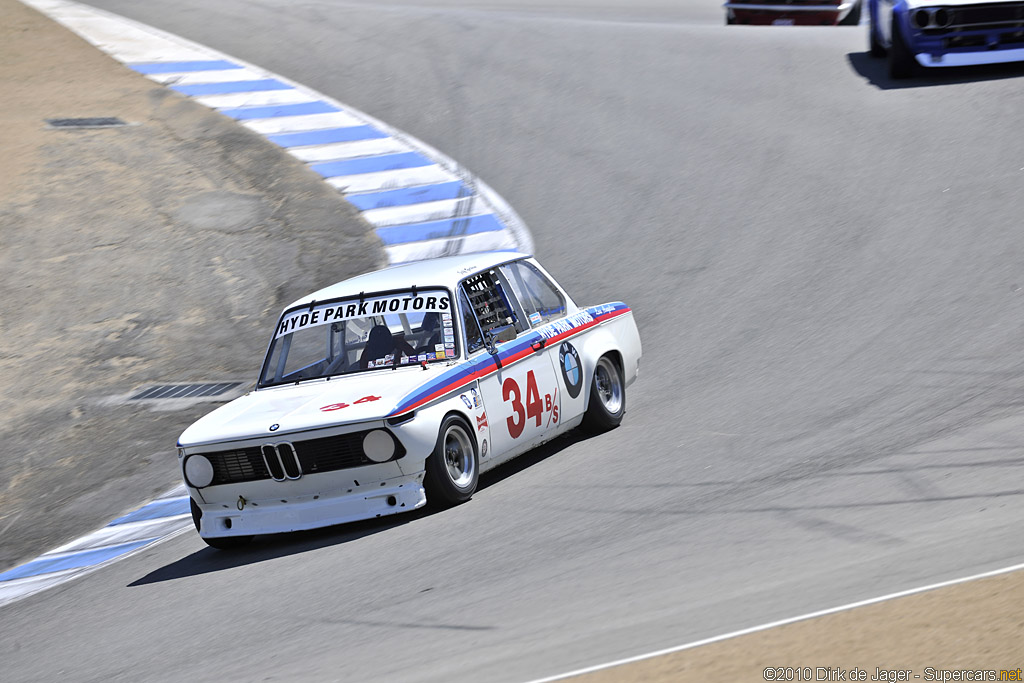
<point x="310" y="405"/>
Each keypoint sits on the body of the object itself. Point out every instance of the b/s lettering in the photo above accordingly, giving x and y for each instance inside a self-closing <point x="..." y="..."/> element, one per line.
<point x="535" y="408"/>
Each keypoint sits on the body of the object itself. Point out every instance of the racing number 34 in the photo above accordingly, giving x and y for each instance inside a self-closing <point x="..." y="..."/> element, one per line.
<point x="534" y="407"/>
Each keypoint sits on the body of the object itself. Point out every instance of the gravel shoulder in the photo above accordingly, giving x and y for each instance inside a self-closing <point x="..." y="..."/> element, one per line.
<point x="152" y="253"/>
<point x="937" y="635"/>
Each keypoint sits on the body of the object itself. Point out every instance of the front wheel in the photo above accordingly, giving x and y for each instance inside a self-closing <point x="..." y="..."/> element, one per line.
<point x="221" y="543"/>
<point x="453" y="469"/>
<point x="607" y="397"/>
<point x="875" y="46"/>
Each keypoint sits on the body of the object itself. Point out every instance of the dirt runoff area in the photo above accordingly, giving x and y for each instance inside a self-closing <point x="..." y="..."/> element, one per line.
<point x="972" y="631"/>
<point x="158" y="252"/>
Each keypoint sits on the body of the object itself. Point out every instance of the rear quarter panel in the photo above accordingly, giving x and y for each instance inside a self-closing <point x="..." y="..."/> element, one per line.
<point x="617" y="336"/>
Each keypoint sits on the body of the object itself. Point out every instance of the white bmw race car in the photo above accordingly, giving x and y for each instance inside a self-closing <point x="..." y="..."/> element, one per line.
<point x="405" y="384"/>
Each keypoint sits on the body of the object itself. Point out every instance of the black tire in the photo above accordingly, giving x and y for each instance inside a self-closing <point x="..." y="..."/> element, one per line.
<point x="901" y="62"/>
<point x="453" y="469"/>
<point x="875" y="47"/>
<point x="222" y="543"/>
<point x="607" y="397"/>
<point x="853" y="18"/>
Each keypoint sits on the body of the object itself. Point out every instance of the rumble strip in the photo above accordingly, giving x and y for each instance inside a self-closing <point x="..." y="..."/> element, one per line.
<point x="156" y="521"/>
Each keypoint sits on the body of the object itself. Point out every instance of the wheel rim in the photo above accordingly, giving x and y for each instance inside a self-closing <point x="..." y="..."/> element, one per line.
<point x="609" y="388"/>
<point x="458" y="456"/>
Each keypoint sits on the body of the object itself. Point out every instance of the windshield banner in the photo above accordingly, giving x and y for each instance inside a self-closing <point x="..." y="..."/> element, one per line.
<point x="423" y="302"/>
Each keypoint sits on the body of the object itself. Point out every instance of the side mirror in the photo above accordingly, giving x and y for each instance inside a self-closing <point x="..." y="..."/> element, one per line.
<point x="499" y="335"/>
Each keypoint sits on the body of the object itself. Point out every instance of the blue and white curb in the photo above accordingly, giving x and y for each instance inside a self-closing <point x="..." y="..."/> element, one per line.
<point x="156" y="521"/>
<point x="421" y="203"/>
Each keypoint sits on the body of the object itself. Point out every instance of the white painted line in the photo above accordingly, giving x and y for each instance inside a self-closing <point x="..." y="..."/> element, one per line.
<point x="392" y="180"/>
<point x="299" y="124"/>
<point x="781" y="622"/>
<point x="421" y="213"/>
<point x="483" y="241"/>
<point x="339" y="151"/>
<point x="260" y="98"/>
<point x="196" y="77"/>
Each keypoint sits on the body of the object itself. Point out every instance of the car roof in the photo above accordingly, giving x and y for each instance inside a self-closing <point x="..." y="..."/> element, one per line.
<point x="446" y="271"/>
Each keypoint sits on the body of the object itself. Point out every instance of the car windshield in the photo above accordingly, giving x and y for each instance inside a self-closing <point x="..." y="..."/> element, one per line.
<point x="349" y="335"/>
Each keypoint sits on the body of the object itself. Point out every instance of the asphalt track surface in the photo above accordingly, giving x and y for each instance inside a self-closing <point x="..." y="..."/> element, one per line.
<point x="826" y="270"/>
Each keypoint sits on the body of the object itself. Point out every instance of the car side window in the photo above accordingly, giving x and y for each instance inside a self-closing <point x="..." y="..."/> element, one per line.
<point x="474" y="338"/>
<point x="540" y="300"/>
<point x="489" y="302"/>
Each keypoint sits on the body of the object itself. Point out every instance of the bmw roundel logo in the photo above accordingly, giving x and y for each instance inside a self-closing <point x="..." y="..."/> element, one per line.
<point x="572" y="373"/>
<point x="274" y="427"/>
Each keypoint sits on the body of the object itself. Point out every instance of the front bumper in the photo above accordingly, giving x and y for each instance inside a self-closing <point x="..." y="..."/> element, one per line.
<point x="284" y="512"/>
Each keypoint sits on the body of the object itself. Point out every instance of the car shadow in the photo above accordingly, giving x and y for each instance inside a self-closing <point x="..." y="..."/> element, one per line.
<point x="534" y="456"/>
<point x="274" y="546"/>
<point x="875" y="71"/>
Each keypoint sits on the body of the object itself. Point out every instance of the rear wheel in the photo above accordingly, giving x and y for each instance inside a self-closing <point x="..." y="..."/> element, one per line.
<point x="453" y="469"/>
<point x="607" y="397"/>
<point x="222" y="543"/>
<point x="901" y="62"/>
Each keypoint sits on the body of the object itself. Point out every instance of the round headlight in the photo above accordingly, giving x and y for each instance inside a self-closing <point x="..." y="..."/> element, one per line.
<point x="198" y="471"/>
<point x="378" y="446"/>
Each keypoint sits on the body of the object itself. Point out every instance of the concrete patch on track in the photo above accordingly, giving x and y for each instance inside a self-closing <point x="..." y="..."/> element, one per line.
<point x="421" y="203"/>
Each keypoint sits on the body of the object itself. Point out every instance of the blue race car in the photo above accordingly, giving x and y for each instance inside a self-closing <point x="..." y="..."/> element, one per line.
<point x="937" y="33"/>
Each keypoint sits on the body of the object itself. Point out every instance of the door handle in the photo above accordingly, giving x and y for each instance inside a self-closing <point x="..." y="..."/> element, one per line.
<point x="537" y="345"/>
